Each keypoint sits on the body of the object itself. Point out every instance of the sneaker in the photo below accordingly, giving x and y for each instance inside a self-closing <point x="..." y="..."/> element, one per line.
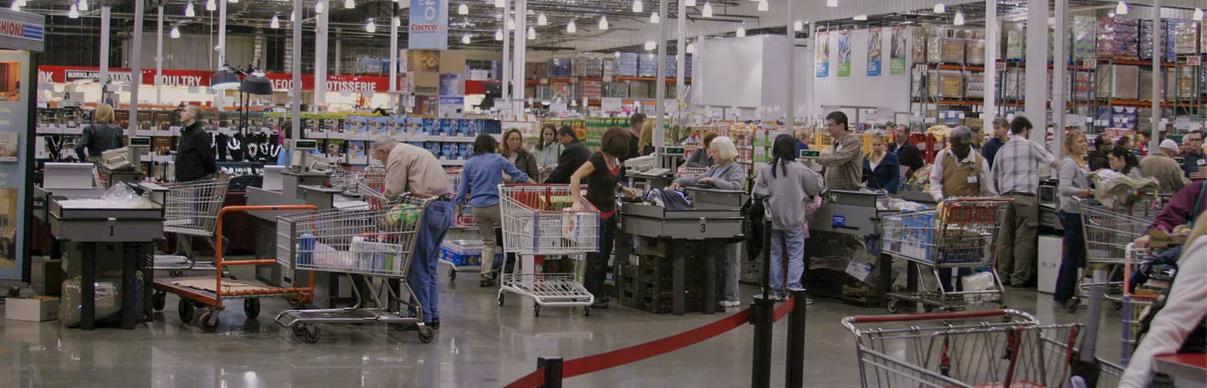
<point x="808" y="301"/>
<point x="780" y="296"/>
<point x="434" y="324"/>
<point x="730" y="303"/>
<point x="488" y="280"/>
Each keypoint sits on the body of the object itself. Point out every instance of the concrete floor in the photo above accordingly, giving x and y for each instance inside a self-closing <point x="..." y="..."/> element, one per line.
<point x="479" y="345"/>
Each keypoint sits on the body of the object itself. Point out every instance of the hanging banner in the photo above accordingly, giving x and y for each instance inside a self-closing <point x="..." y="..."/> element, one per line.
<point x="844" y="54"/>
<point x="429" y="25"/>
<point x="821" y="57"/>
<point x="201" y="79"/>
<point x="874" y="49"/>
<point x="896" y="61"/>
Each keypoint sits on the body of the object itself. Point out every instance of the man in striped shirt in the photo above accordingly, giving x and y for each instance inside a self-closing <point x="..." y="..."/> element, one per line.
<point x="1016" y="170"/>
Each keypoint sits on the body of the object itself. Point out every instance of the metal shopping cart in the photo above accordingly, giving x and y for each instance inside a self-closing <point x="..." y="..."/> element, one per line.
<point x="209" y="292"/>
<point x="191" y="210"/>
<point x="537" y="220"/>
<point x="959" y="234"/>
<point x="1108" y="231"/>
<point x="346" y="178"/>
<point x="1135" y="306"/>
<point x="367" y="241"/>
<point x="967" y="349"/>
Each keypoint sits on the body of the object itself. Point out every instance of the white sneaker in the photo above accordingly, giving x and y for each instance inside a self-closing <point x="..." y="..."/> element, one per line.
<point x="730" y="303"/>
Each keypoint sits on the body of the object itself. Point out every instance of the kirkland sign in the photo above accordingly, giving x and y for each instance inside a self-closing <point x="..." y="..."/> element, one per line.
<point x="429" y="25"/>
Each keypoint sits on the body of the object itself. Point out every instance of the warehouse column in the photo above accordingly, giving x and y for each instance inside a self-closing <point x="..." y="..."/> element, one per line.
<point x="339" y="39"/>
<point x="506" y="76"/>
<point x="1154" y="145"/>
<point x="521" y="51"/>
<point x="159" y="57"/>
<point x="136" y="64"/>
<point x="394" y="95"/>
<point x="320" y="57"/>
<point x="1037" y="68"/>
<point x="103" y="75"/>
<point x="221" y="33"/>
<point x="295" y="90"/>
<point x="660" y="89"/>
<point x="681" y="53"/>
<point x="790" y="33"/>
<point x="989" y="111"/>
<point x="1059" y="68"/>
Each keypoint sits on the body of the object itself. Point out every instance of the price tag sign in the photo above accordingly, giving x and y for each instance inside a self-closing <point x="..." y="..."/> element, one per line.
<point x="607" y="78"/>
<point x="1194" y="61"/>
<point x="544" y="81"/>
<point x="574" y="80"/>
<point x="1089" y="63"/>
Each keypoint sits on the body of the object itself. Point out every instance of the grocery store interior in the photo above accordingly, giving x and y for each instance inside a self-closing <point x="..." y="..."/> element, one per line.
<point x="538" y="193"/>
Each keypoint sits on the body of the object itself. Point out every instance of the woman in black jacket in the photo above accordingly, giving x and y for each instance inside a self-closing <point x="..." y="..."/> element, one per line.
<point x="512" y="148"/>
<point x="101" y="136"/>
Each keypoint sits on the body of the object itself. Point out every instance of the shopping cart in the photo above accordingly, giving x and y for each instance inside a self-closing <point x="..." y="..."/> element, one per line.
<point x="191" y="210"/>
<point x="465" y="218"/>
<point x="1134" y="306"/>
<point x="1108" y="231"/>
<point x="959" y="234"/>
<point x="346" y="178"/>
<point x="209" y="292"/>
<point x="374" y="243"/>
<point x="967" y="349"/>
<point x="537" y="220"/>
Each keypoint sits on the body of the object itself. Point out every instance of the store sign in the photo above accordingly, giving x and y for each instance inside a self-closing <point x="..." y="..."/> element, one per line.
<point x="200" y="78"/>
<point x="428" y="25"/>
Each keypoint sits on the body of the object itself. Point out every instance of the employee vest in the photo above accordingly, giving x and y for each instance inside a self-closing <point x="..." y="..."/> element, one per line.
<point x="956" y="174"/>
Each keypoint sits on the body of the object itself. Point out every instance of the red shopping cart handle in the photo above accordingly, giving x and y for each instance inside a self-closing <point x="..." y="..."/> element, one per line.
<point x="928" y="316"/>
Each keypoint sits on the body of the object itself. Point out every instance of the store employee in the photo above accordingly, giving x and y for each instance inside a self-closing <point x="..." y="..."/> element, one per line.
<point x="959" y="172"/>
<point x="844" y="167"/>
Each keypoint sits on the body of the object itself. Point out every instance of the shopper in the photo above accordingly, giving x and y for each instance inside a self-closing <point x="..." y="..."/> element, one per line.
<point x="1178" y="327"/>
<point x="1016" y="172"/>
<point x="1098" y="157"/>
<point x="1141" y="148"/>
<point x="1123" y="161"/>
<point x="635" y="123"/>
<point x="573" y="157"/>
<point x="602" y="174"/>
<point x="1073" y="186"/>
<point x="100" y="136"/>
<point x="959" y="171"/>
<point x="906" y="152"/>
<point x="1184" y="206"/>
<point x="410" y="169"/>
<point x="726" y="174"/>
<point x="881" y="170"/>
<point x="645" y="141"/>
<point x="843" y="166"/>
<point x="480" y="180"/>
<point x="792" y="192"/>
<point x="547" y="151"/>
<point x="1194" y="163"/>
<point x="513" y="149"/>
<point x="1001" y="134"/>
<point x="1161" y="166"/>
<point x="978" y="137"/>
<point x="802" y="140"/>
<point x="194" y="153"/>
<point x="700" y="157"/>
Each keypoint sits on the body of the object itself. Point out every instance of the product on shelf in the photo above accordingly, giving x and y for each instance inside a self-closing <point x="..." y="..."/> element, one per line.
<point x="1118" y="37"/>
<point x="974" y="52"/>
<point x="946" y="83"/>
<point x="945" y="50"/>
<point x="1119" y="82"/>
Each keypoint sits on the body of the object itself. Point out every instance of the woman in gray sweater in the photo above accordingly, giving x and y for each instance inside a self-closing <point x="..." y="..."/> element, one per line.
<point x="726" y="174"/>
<point x="790" y="188"/>
<point x="1073" y="186"/>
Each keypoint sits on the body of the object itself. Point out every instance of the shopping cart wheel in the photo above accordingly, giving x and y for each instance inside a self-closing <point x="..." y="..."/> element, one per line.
<point x="176" y="273"/>
<point x="185" y="308"/>
<point x="928" y="308"/>
<point x="159" y="300"/>
<point x="209" y="321"/>
<point x="1117" y="306"/>
<point x="536" y="310"/>
<point x="894" y="305"/>
<point x="426" y="334"/>
<point x="311" y="333"/>
<point x="1071" y="305"/>
<point x="501" y="299"/>
<point x="251" y="308"/>
<point x="452" y="274"/>
<point x="298" y="329"/>
<point x="587" y="311"/>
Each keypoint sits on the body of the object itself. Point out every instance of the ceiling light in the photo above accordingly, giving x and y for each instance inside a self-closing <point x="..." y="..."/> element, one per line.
<point x="741" y="32"/>
<point x="465" y="39"/>
<point x="292" y="17"/>
<point x="318" y="6"/>
<point x="188" y="10"/>
<point x="175" y="34"/>
<point x="256" y="83"/>
<point x="691" y="48"/>
<point x="370" y="26"/>
<point x="798" y="26"/>
<point x="211" y="6"/>
<point x="22" y="3"/>
<point x="276" y="22"/>
<point x="763" y="6"/>
<point x="707" y="12"/>
<point x="73" y="13"/>
<point x="571" y="28"/>
<point x="603" y="23"/>
<point x="541" y="20"/>
<point x="83" y="5"/>
<point x="232" y="1"/>
<point x="861" y="17"/>
<point x="1198" y="14"/>
<point x="654" y="19"/>
<point x="1111" y="14"/>
<point x="500" y="3"/>
<point x="463" y="9"/>
<point x="637" y="6"/>
<point x="690" y="3"/>
<point x="531" y="33"/>
<point x="348" y="4"/>
<point x="650" y="45"/>
<point x="397" y="21"/>
<point x="940" y="8"/>
<point x="15" y="7"/>
<point x="224" y="79"/>
<point x="511" y="24"/>
<point x="616" y="54"/>
<point x="1121" y="9"/>
<point x="959" y="18"/>
<point x="831" y="3"/>
<point x="498" y="34"/>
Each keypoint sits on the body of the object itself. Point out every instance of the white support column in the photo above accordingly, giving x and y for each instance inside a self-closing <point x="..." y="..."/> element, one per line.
<point x="681" y="52"/>
<point x="136" y="65"/>
<point x="660" y="89"/>
<point x="159" y="58"/>
<point x="811" y="77"/>
<point x="521" y="50"/>
<point x="1060" y="58"/>
<point x="790" y="32"/>
<point x="1158" y="75"/>
<point x="320" y="57"/>
<point x="1037" y="68"/>
<point x="506" y="76"/>
<point x="990" y="82"/>
<point x="221" y="33"/>
<point x="394" y="22"/>
<point x="339" y="42"/>
<point x="103" y="75"/>
<point x="295" y="111"/>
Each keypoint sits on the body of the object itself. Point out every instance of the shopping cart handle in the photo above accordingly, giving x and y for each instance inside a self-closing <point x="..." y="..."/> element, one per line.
<point x="932" y="316"/>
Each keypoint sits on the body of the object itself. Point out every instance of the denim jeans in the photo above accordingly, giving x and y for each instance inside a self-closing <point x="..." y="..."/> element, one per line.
<point x="437" y="218"/>
<point x="1074" y="257"/>
<point x="597" y="263"/>
<point x="793" y="240"/>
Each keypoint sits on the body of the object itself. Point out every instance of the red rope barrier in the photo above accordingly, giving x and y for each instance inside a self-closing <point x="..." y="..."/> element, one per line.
<point x="532" y="380"/>
<point x="785" y="308"/>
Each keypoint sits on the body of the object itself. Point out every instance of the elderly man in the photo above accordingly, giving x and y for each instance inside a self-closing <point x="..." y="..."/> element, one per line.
<point x="907" y="153"/>
<point x="959" y="172"/>
<point x="844" y="166"/>
<point x="1161" y="166"/>
<point x="1016" y="170"/>
<point x="194" y="155"/>
<point x="410" y="169"/>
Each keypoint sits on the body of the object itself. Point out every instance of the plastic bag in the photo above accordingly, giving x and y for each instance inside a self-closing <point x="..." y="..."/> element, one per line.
<point x="122" y="196"/>
<point x="982" y="281"/>
<point x="108" y="300"/>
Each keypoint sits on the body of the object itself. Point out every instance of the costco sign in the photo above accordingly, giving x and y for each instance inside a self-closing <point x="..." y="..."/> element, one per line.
<point x="428" y="25"/>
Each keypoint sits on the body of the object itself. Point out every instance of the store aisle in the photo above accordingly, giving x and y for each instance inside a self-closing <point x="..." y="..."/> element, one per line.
<point x="479" y="345"/>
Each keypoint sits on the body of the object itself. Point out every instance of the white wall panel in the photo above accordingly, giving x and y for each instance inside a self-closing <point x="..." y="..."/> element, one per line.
<point x="888" y="91"/>
<point x="193" y="52"/>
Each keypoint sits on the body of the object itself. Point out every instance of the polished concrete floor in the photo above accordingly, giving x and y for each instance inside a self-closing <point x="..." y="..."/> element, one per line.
<point x="480" y="344"/>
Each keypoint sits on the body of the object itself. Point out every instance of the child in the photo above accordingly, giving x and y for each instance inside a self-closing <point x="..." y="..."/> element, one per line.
<point x="787" y="185"/>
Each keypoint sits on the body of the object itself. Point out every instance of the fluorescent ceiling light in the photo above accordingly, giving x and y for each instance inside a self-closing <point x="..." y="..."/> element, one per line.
<point x="349" y="4"/>
<point x="763" y="6"/>
<point x="211" y="6"/>
<point x="83" y="5"/>
<point x="571" y="28"/>
<point x="654" y="19"/>
<point x="499" y="34"/>
<point x="541" y="20"/>
<point x="73" y="13"/>
<point x="276" y="22"/>
<point x="940" y="8"/>
<point x="707" y="10"/>
<point x="531" y="33"/>
<point x="188" y="10"/>
<point x="603" y="23"/>
<point x="465" y="39"/>
<point x="959" y="18"/>
<point x="637" y="6"/>
<point x="831" y="3"/>
<point x="175" y="34"/>
<point x="1121" y="9"/>
<point x="741" y="32"/>
<point x="371" y="26"/>
<point x="861" y="17"/>
<point x="798" y="26"/>
<point x="690" y="3"/>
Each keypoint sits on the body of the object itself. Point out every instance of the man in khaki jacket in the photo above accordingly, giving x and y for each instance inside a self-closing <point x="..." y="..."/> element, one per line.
<point x="1161" y="166"/>
<point x="844" y="166"/>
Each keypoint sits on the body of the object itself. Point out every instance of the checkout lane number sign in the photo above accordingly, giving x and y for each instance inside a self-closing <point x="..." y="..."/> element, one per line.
<point x="839" y="221"/>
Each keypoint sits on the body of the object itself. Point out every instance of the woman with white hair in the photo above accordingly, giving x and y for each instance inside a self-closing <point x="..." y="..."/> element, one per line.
<point x="725" y="174"/>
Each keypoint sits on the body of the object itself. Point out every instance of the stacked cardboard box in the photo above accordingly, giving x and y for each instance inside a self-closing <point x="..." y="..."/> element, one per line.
<point x="1119" y="82"/>
<point x="1118" y="37"/>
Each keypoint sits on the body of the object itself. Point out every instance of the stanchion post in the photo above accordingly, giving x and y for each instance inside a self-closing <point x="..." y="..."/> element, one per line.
<point x="553" y="371"/>
<point x="796" y="341"/>
<point x="762" y="315"/>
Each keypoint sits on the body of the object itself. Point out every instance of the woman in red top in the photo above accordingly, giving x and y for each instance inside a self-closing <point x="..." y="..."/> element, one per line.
<point x="602" y="173"/>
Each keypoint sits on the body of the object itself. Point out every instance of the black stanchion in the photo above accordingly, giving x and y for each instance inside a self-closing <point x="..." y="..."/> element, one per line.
<point x="762" y="315"/>
<point x="796" y="341"/>
<point x="553" y="371"/>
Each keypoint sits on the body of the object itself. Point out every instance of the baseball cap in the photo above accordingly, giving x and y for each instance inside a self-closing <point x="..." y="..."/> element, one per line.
<point x="1169" y="144"/>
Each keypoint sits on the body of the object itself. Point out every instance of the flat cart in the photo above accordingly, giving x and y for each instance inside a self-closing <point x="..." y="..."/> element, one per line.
<point x="210" y="292"/>
<point x="191" y="210"/>
<point x="464" y="219"/>
<point x="1108" y="230"/>
<point x="968" y="349"/>
<point x="537" y="220"/>
<point x="959" y="234"/>
<point x="367" y="241"/>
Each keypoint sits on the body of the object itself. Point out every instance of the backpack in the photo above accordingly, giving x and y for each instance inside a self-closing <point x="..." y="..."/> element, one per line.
<point x="753" y="225"/>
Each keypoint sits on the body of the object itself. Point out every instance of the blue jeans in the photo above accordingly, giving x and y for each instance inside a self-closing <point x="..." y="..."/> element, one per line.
<point x="794" y="241"/>
<point x="437" y="218"/>
<point x="1074" y="257"/>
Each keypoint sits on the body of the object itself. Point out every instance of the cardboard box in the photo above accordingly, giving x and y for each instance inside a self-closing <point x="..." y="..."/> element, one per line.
<point x="34" y="309"/>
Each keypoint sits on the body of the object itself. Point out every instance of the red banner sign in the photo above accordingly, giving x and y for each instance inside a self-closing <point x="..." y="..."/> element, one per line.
<point x="194" y="78"/>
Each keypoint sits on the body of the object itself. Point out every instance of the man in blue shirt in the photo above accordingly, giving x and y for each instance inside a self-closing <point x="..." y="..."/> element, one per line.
<point x="1001" y="129"/>
<point x="480" y="180"/>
